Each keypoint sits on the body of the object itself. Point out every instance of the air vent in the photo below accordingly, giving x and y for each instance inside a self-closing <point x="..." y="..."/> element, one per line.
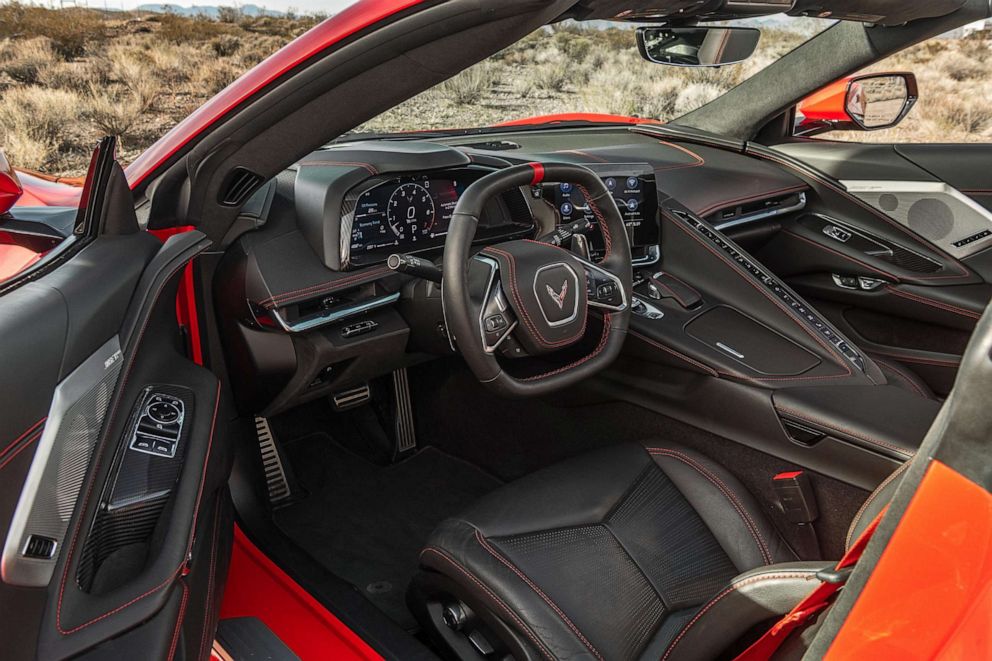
<point x="494" y="145"/>
<point x="40" y="547"/>
<point x="239" y="186"/>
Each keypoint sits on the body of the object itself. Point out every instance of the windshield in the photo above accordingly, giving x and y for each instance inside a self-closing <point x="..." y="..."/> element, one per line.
<point x="585" y="68"/>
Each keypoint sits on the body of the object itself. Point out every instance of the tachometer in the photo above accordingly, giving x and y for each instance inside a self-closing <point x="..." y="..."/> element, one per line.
<point x="410" y="211"/>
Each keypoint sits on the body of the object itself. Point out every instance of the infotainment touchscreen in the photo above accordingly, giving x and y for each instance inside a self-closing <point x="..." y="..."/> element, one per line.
<point x="632" y="186"/>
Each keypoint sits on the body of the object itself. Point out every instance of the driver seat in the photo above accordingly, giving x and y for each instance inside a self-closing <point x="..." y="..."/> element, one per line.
<point x="633" y="551"/>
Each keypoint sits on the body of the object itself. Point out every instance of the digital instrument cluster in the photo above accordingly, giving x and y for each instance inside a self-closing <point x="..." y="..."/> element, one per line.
<point x="411" y="213"/>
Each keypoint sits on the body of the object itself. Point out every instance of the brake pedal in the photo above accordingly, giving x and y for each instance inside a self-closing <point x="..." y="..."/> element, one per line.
<point x="275" y="472"/>
<point x="404" y="431"/>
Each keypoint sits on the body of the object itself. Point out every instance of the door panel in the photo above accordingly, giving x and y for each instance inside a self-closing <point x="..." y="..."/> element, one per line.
<point x="109" y="545"/>
<point x="910" y="300"/>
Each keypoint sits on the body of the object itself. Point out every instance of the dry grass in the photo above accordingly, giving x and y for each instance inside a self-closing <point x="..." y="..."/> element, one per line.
<point x="68" y="77"/>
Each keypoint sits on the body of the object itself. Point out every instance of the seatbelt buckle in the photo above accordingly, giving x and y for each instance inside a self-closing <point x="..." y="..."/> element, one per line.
<point x="798" y="502"/>
<point x="834" y="575"/>
<point x="795" y="496"/>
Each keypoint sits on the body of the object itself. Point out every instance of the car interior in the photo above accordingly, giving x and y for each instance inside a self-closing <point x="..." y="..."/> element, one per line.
<point x="542" y="390"/>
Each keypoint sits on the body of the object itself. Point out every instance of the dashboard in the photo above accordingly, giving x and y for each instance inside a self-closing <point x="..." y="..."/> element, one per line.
<point x="412" y="213"/>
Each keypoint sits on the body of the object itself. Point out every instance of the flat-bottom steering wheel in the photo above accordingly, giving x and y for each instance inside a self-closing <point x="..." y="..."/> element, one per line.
<point x="539" y="293"/>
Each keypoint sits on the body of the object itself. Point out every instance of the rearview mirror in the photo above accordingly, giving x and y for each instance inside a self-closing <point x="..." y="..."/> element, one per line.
<point x="858" y="103"/>
<point x="698" y="46"/>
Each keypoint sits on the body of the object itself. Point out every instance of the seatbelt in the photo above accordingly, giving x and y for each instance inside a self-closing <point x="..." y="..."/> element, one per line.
<point x="814" y="602"/>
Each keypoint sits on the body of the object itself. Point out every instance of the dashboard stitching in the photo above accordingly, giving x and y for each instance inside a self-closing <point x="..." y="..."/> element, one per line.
<point x="340" y="283"/>
<point x="817" y="244"/>
<point x="697" y="159"/>
<point x="833" y="427"/>
<point x="875" y="212"/>
<point x="947" y="307"/>
<point x="788" y="312"/>
<point x="550" y="344"/>
<point x="902" y="374"/>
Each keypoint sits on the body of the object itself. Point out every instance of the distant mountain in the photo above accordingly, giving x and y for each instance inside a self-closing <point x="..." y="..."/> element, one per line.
<point x="211" y="11"/>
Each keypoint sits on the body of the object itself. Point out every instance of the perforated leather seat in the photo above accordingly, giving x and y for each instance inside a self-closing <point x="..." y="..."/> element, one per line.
<point x="627" y="552"/>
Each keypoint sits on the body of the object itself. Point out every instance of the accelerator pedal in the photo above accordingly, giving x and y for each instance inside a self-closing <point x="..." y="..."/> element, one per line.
<point x="275" y="472"/>
<point x="404" y="432"/>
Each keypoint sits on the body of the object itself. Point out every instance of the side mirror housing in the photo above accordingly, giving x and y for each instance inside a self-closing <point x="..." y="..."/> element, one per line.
<point x="10" y="186"/>
<point x="858" y="103"/>
<point x="696" y="46"/>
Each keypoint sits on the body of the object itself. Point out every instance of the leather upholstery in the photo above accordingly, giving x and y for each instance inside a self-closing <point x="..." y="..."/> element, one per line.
<point x="902" y="377"/>
<point x="613" y="555"/>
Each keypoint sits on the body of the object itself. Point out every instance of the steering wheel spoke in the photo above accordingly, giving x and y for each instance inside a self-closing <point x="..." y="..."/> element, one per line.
<point x="603" y="289"/>
<point x="496" y="318"/>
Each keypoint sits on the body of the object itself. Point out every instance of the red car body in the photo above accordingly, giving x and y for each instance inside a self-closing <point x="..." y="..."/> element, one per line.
<point x="923" y="600"/>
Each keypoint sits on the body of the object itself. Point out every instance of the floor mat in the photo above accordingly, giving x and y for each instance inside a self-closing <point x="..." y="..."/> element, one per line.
<point x="368" y="523"/>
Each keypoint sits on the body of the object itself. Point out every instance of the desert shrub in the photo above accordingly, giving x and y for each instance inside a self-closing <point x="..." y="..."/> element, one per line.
<point x="72" y="76"/>
<point x="470" y="85"/>
<point x="552" y="75"/>
<point x="575" y="46"/>
<point x="23" y="151"/>
<point x="71" y="31"/>
<point x="960" y="67"/>
<point x="116" y="110"/>
<point x="954" y="113"/>
<point x="25" y="59"/>
<point x="225" y="45"/>
<point x="694" y="96"/>
<point x="180" y="29"/>
<point x="229" y="14"/>
<point x="33" y="122"/>
<point x="214" y="76"/>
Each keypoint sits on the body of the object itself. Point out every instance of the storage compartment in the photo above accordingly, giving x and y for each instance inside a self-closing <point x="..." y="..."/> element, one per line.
<point x="750" y="343"/>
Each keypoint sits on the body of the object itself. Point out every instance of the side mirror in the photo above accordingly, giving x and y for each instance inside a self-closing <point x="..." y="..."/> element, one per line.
<point x="696" y="47"/>
<point x="858" y="103"/>
<point x="10" y="185"/>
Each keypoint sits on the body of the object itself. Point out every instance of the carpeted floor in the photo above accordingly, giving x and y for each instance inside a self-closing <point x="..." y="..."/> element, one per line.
<point x="368" y="523"/>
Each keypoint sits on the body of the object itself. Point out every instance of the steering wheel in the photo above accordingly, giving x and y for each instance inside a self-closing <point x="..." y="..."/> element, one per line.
<point x="538" y="293"/>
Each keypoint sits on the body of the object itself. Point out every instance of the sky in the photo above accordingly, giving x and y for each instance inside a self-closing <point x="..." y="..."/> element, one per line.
<point x="304" y="6"/>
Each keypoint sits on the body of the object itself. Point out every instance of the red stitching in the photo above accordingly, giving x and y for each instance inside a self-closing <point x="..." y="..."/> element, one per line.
<point x="833" y="427"/>
<point x="735" y="586"/>
<point x="796" y="188"/>
<point x="871" y="497"/>
<point x="492" y="595"/>
<point x="697" y="159"/>
<point x="904" y="376"/>
<point x="22" y="436"/>
<point x="705" y="368"/>
<point x="872" y="210"/>
<point x="210" y="580"/>
<point x="604" y="226"/>
<point x="514" y="291"/>
<point x="788" y="311"/>
<point x="367" y="166"/>
<point x="533" y="586"/>
<point x="917" y="359"/>
<point x="599" y="348"/>
<point x="9" y="458"/>
<point x="288" y="297"/>
<point x="947" y="307"/>
<point x="727" y="492"/>
<point x="819" y="245"/>
<point x="179" y="621"/>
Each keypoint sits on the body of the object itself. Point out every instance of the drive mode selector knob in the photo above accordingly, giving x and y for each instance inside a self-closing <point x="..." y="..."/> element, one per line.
<point x="165" y="413"/>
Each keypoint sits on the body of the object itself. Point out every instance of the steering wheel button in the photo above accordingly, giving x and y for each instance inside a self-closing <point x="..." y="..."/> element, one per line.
<point x="495" y="323"/>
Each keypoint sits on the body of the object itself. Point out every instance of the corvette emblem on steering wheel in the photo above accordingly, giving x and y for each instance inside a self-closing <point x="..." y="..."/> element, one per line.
<point x="559" y="297"/>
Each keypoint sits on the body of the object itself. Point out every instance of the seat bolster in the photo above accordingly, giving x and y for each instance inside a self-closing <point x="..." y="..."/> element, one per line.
<point x="748" y="600"/>
<point x="876" y="502"/>
<point x="731" y="513"/>
<point x="457" y="550"/>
